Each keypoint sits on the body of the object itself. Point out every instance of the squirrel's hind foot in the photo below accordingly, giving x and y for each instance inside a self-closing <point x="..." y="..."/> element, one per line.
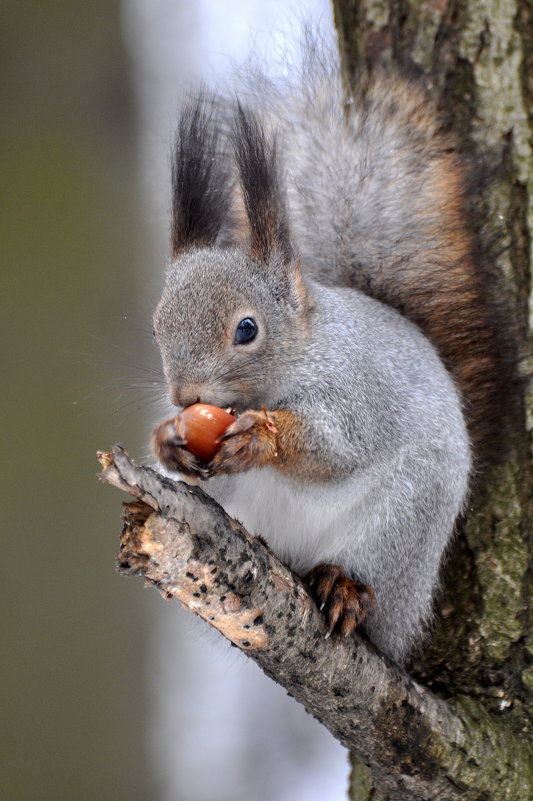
<point x="345" y="602"/>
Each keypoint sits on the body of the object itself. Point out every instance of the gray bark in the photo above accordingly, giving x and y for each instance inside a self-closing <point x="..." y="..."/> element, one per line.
<point x="414" y="744"/>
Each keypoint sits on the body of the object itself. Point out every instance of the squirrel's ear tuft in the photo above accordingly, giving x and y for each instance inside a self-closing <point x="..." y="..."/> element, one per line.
<point x="258" y="169"/>
<point x="201" y="180"/>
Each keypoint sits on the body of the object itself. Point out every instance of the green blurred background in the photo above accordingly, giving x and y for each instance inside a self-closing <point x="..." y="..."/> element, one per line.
<point x="73" y="332"/>
<point x="92" y="705"/>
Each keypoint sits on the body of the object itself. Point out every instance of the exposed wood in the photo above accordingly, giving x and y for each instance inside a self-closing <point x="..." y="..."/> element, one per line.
<point x="415" y="745"/>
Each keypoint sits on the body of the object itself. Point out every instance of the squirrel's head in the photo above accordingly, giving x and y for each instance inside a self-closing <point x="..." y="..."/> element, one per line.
<point x="228" y="328"/>
<point x="234" y="310"/>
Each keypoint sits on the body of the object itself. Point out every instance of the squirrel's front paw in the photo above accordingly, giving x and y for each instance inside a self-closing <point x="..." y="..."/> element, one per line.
<point x="169" y="449"/>
<point x="345" y="602"/>
<point x="248" y="442"/>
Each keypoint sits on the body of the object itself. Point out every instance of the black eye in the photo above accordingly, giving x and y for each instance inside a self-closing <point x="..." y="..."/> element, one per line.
<point x="246" y="331"/>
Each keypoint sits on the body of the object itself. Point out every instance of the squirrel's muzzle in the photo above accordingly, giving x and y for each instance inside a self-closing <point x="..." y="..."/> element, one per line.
<point x="187" y="394"/>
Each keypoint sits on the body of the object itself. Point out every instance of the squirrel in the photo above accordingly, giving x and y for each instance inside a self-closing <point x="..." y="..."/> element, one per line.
<point x="323" y="269"/>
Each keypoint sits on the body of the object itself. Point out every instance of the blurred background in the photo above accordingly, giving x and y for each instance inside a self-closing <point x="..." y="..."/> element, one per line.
<point x="108" y="692"/>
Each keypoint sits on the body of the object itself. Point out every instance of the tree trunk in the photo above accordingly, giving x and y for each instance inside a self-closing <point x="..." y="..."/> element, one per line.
<point x="478" y="59"/>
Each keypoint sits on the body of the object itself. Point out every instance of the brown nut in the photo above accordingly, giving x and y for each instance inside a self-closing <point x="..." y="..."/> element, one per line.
<point x="200" y="425"/>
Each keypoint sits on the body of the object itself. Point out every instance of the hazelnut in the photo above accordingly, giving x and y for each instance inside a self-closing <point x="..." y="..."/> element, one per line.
<point x="200" y="425"/>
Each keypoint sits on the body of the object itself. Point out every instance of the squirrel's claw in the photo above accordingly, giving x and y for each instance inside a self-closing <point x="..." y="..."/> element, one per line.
<point x="169" y="449"/>
<point x="243" y="423"/>
<point x="248" y="442"/>
<point x="345" y="602"/>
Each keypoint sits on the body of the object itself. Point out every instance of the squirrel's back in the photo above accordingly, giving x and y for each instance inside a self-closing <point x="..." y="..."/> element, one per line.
<point x="377" y="201"/>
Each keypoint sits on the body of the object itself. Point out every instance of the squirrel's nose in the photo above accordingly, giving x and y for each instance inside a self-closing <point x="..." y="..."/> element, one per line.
<point x="186" y="394"/>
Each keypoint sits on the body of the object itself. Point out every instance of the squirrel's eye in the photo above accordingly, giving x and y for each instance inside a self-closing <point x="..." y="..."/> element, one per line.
<point x="246" y="331"/>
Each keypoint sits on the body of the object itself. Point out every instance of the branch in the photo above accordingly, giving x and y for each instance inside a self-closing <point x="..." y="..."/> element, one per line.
<point x="415" y="744"/>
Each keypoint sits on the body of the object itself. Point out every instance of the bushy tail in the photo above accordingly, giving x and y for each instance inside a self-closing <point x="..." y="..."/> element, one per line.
<point x="377" y="202"/>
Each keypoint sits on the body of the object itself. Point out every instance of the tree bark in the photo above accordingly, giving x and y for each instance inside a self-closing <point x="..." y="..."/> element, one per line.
<point x="477" y="58"/>
<point x="414" y="744"/>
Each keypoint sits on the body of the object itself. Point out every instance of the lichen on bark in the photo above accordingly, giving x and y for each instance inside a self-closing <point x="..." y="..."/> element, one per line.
<point x="501" y="564"/>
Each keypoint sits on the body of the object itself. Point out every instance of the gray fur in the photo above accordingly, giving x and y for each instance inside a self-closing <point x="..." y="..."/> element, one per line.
<point x="384" y="411"/>
<point x="380" y="409"/>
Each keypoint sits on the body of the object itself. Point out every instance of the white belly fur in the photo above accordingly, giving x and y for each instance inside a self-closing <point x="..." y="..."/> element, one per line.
<point x="304" y="525"/>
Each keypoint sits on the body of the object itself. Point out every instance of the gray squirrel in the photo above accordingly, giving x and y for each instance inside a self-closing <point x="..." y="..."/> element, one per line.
<point x="325" y="285"/>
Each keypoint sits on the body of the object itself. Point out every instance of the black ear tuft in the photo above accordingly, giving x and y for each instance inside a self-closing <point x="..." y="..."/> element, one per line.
<point x="258" y="169"/>
<point x="201" y="181"/>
